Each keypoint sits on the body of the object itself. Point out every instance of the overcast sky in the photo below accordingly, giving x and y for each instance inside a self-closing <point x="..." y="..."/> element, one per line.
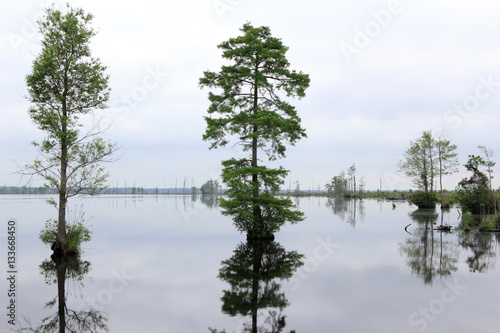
<point x="381" y="73"/>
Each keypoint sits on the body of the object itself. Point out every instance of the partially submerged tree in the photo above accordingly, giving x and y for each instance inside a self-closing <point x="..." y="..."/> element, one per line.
<point x="447" y="159"/>
<point x="488" y="163"/>
<point x="425" y="158"/>
<point x="249" y="105"/>
<point x="474" y="194"/>
<point x="66" y="83"/>
<point x="210" y="187"/>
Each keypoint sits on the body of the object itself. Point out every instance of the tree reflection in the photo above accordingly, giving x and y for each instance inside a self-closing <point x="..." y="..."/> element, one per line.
<point x="428" y="255"/>
<point x="349" y="210"/>
<point x="254" y="272"/>
<point x="482" y="247"/>
<point x="209" y="200"/>
<point x="59" y="271"/>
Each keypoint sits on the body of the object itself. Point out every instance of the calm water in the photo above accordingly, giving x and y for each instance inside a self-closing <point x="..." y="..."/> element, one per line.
<point x="175" y="264"/>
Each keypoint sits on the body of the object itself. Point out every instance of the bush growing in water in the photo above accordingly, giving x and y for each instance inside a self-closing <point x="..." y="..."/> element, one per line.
<point x="490" y="222"/>
<point x="76" y="233"/>
<point x="423" y="200"/>
<point x="468" y="221"/>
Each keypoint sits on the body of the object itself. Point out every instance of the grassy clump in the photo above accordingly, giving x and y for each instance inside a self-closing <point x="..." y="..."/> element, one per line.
<point x="490" y="223"/>
<point x="423" y="200"/>
<point x="468" y="221"/>
<point x="76" y="233"/>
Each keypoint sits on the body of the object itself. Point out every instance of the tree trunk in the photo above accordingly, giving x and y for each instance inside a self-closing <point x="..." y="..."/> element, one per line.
<point x="61" y="241"/>
<point x="255" y="178"/>
<point x="441" y="180"/>
<point x="61" y="266"/>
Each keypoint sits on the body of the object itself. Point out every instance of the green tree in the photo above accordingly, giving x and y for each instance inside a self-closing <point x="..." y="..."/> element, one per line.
<point x="352" y="178"/>
<point x="249" y="105"/>
<point x="447" y="159"/>
<point x="488" y="163"/>
<point x="419" y="163"/>
<point x="338" y="186"/>
<point x="210" y="187"/>
<point x="474" y="194"/>
<point x="66" y="83"/>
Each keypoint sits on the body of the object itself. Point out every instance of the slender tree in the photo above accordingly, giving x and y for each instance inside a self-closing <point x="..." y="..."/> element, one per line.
<point x="250" y="106"/>
<point x="419" y="163"/>
<point x="352" y="178"/>
<point x="65" y="84"/>
<point x="447" y="158"/>
<point x="489" y="164"/>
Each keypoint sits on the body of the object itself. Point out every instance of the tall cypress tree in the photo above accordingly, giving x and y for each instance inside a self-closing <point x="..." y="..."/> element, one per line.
<point x="251" y="107"/>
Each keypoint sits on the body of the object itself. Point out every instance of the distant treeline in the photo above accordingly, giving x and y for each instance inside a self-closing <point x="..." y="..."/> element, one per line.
<point x="25" y="190"/>
<point x="114" y="190"/>
<point x="195" y="190"/>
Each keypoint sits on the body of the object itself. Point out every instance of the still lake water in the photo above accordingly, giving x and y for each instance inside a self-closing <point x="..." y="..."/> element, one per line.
<point x="155" y="261"/>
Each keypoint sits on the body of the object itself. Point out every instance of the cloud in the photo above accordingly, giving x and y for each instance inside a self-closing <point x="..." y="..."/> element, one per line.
<point x="426" y="59"/>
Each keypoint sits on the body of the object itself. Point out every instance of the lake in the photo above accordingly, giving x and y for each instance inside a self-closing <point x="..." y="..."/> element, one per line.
<point x="173" y="263"/>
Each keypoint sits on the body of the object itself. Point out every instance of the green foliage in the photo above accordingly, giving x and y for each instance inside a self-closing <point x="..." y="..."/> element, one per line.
<point x="210" y="187"/>
<point x="249" y="105"/>
<point x="251" y="108"/>
<point x="418" y="162"/>
<point x="447" y="203"/>
<point x="474" y="194"/>
<point x="468" y="221"/>
<point x="260" y="215"/>
<point x="65" y="84"/>
<point x="423" y="200"/>
<point x="338" y="185"/>
<point x="490" y="223"/>
<point x="76" y="233"/>
<point x="429" y="157"/>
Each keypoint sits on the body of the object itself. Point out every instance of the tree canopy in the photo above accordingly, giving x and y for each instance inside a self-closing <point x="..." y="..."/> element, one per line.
<point x="65" y="84"/>
<point x="426" y="158"/>
<point x="249" y="106"/>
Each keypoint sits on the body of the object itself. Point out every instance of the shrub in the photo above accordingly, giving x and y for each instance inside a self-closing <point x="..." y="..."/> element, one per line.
<point x="468" y="221"/>
<point x="490" y="223"/>
<point x="76" y="233"/>
<point x="423" y="200"/>
<point x="447" y="203"/>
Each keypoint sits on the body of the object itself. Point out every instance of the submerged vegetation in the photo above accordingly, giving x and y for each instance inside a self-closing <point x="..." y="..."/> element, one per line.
<point x="76" y="232"/>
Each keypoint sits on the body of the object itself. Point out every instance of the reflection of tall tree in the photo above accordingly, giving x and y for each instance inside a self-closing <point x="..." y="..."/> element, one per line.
<point x="481" y="245"/>
<point x="210" y="200"/>
<point x="59" y="270"/>
<point x="348" y="209"/>
<point x="427" y="256"/>
<point x="253" y="273"/>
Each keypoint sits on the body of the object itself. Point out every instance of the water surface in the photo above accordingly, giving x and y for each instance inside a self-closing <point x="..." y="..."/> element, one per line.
<point x="154" y="264"/>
